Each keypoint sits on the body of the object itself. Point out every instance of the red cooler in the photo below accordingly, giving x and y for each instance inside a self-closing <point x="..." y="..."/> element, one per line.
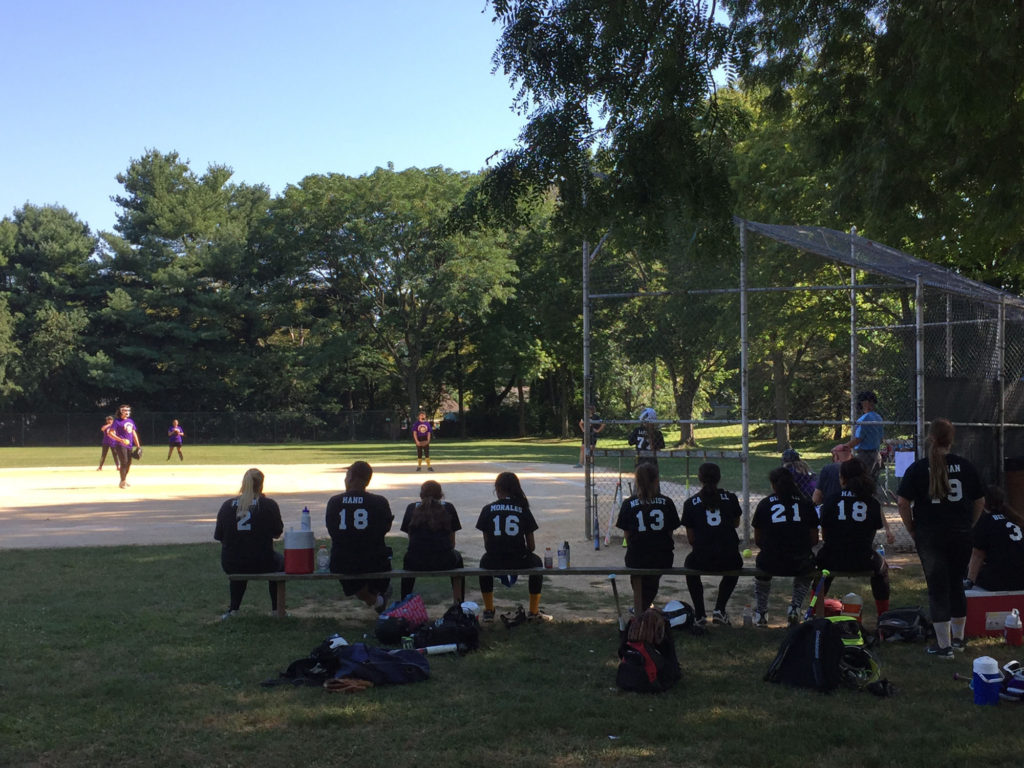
<point x="298" y="551"/>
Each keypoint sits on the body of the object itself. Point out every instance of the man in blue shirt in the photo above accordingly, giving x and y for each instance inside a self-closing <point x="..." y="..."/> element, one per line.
<point x="867" y="435"/>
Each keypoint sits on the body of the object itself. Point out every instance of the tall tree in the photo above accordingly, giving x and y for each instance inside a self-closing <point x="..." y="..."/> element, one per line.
<point x="48" y="281"/>
<point x="917" y="109"/>
<point x="183" y="277"/>
<point x="390" y="279"/>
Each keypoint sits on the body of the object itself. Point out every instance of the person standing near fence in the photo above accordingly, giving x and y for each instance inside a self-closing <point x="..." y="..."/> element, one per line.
<point x="422" y="431"/>
<point x="589" y="441"/>
<point x="647" y="437"/>
<point x="711" y="518"/>
<point x="126" y="440"/>
<point x="940" y="498"/>
<point x="246" y="528"/>
<point x="867" y="434"/>
<point x="648" y="519"/>
<point x="358" y="522"/>
<point x="174" y="439"/>
<point x="108" y="443"/>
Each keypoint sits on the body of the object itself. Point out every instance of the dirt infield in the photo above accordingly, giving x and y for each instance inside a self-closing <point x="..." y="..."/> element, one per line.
<point x="173" y="503"/>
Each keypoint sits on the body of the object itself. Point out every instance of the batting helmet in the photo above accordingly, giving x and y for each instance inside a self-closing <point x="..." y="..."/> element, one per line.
<point x="678" y="614"/>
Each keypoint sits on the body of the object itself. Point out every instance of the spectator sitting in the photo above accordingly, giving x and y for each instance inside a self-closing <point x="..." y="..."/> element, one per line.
<point x="802" y="475"/>
<point x="828" y="478"/>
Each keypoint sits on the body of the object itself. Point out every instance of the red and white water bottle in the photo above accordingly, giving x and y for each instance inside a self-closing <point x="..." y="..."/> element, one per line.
<point x="1012" y="629"/>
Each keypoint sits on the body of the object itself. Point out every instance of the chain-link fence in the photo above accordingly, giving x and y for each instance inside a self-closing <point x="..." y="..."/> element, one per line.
<point x="788" y="338"/>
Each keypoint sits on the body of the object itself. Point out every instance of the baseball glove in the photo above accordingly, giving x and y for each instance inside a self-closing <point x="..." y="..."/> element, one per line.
<point x="137" y="452"/>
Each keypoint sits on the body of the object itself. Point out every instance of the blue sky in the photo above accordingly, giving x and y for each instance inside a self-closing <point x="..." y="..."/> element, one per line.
<point x="276" y="91"/>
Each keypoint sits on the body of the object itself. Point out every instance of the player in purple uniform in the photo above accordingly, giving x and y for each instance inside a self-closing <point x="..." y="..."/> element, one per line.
<point x="246" y="528"/>
<point x="648" y="519"/>
<point x="940" y="498"/>
<point x="785" y="528"/>
<point x="431" y="524"/>
<point x="849" y="520"/>
<point x="358" y="522"/>
<point x="508" y="526"/>
<point x="422" y="431"/>
<point x="108" y="443"/>
<point x="174" y="437"/>
<point x="711" y="518"/>
<point x="997" y="559"/>
<point x="126" y="439"/>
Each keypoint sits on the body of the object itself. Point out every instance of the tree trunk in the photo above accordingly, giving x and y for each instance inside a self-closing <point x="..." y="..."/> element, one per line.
<point x="522" y="408"/>
<point x="780" y="385"/>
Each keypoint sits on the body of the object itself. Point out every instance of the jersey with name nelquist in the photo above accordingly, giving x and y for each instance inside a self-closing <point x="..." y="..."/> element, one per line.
<point x="649" y="524"/>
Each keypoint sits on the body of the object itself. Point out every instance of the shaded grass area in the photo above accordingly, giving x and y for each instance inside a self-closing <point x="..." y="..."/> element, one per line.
<point x="116" y="656"/>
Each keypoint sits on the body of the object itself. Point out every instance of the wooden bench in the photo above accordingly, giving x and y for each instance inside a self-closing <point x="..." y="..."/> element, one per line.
<point x="282" y="579"/>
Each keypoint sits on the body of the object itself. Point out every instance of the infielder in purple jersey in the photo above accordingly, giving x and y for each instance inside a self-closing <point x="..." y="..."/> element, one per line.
<point x="126" y="437"/>
<point x="108" y="443"/>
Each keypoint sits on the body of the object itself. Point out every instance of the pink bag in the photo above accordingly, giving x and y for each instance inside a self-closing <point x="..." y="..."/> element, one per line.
<point x="411" y="609"/>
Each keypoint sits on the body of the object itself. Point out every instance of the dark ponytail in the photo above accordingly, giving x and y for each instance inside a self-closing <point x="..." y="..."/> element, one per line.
<point x="783" y="483"/>
<point x="709" y="475"/>
<point x="857" y="480"/>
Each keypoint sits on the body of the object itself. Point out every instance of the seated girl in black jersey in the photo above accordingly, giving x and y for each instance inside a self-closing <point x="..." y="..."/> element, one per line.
<point x="246" y="528"/>
<point x="711" y="518"/>
<point x="431" y="524"/>
<point x="648" y="519"/>
<point x="785" y="528"/>
<point x="997" y="556"/>
<point x="508" y="527"/>
<point x="849" y="520"/>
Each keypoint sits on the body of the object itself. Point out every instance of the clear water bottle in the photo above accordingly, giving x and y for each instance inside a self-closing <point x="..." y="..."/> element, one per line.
<point x="565" y="546"/>
<point x="563" y="558"/>
<point x="323" y="559"/>
<point x="304" y="524"/>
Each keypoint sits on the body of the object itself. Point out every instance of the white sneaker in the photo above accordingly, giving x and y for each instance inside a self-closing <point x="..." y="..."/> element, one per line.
<point x="228" y="615"/>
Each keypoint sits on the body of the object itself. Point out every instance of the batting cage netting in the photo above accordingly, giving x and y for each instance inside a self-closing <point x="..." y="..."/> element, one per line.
<point x="765" y="349"/>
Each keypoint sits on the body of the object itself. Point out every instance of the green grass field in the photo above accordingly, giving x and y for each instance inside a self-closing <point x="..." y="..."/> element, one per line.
<point x="116" y="657"/>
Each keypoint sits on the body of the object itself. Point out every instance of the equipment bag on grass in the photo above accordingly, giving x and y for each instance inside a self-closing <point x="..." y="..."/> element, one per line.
<point x="456" y="626"/>
<point x="411" y="609"/>
<point x="647" y="655"/>
<point x="335" y="659"/>
<point x="906" y="624"/>
<point x="809" y="656"/>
